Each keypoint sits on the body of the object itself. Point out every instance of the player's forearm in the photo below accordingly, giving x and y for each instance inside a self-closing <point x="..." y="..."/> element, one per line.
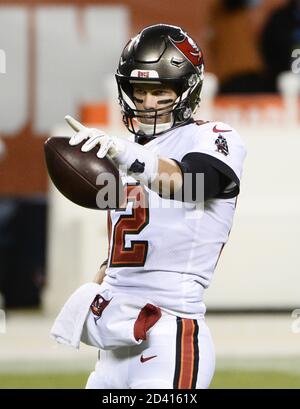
<point x="159" y="173"/>
<point x="183" y="179"/>
<point x="169" y="177"/>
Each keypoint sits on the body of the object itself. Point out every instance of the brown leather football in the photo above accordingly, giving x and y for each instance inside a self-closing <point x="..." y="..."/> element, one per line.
<point x="75" y="174"/>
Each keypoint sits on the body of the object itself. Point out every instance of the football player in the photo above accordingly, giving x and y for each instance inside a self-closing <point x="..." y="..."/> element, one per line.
<point x="164" y="250"/>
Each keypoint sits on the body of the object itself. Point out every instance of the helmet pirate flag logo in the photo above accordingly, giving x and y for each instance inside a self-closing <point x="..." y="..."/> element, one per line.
<point x="190" y="49"/>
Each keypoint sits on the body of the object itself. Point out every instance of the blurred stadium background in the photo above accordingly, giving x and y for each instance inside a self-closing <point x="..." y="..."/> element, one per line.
<point x="58" y="58"/>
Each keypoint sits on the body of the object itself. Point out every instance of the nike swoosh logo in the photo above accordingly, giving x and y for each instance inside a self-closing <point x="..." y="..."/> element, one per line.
<point x="215" y="129"/>
<point x="147" y="358"/>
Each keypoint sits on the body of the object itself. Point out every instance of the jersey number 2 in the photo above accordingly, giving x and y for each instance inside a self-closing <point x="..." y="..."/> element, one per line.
<point x="133" y="223"/>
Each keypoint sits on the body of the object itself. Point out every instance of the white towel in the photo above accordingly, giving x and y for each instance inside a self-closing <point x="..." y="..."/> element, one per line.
<point x="99" y="318"/>
<point x="68" y="326"/>
<point x="124" y="321"/>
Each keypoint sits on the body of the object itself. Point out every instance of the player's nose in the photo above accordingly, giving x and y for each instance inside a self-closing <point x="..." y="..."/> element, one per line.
<point x="150" y="101"/>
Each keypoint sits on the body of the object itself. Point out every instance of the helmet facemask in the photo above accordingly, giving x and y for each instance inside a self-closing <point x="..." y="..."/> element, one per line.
<point x="179" y="111"/>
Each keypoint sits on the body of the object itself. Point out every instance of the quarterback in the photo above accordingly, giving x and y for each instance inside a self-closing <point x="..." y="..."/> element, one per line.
<point x="147" y="315"/>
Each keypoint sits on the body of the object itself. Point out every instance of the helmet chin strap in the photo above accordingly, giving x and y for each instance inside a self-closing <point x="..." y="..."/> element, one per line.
<point x="148" y="129"/>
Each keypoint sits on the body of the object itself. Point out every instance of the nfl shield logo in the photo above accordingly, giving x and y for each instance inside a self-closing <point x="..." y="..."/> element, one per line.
<point x="221" y="144"/>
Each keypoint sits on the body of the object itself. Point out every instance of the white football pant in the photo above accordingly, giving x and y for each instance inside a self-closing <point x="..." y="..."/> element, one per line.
<point x="178" y="354"/>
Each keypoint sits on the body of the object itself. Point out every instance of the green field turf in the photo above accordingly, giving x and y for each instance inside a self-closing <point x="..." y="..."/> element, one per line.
<point x="223" y="379"/>
<point x="255" y="379"/>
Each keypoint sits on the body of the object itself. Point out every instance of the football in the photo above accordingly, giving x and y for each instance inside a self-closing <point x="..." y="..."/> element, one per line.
<point x="82" y="177"/>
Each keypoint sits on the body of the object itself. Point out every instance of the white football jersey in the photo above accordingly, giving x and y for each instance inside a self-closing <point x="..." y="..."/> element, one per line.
<point x="167" y="251"/>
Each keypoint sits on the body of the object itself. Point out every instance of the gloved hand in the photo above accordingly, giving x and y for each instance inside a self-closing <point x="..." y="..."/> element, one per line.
<point x="109" y="145"/>
<point x="137" y="160"/>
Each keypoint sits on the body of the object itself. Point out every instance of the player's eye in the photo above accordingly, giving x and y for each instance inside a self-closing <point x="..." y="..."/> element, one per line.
<point x="139" y="91"/>
<point x="159" y="92"/>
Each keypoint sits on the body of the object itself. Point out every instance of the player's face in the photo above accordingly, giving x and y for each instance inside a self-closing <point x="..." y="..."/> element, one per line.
<point x="153" y="96"/>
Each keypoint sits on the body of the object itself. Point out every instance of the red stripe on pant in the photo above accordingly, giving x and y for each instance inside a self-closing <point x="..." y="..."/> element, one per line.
<point x="187" y="355"/>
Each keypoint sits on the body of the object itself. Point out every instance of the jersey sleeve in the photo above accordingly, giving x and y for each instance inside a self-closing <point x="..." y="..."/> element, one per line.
<point x="226" y="152"/>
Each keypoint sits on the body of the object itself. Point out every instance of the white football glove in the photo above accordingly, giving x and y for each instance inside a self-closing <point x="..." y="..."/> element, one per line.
<point x="108" y="144"/>
<point x="137" y="160"/>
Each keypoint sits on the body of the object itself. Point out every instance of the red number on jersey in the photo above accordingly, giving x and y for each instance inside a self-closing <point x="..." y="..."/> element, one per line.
<point x="133" y="223"/>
